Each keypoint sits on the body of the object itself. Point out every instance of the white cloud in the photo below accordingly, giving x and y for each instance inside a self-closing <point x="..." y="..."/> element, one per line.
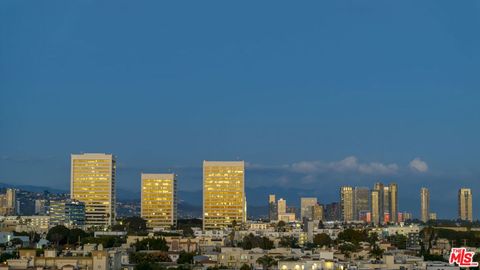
<point x="418" y="165"/>
<point x="348" y="164"/>
<point x="307" y="166"/>
<point x="378" y="168"/>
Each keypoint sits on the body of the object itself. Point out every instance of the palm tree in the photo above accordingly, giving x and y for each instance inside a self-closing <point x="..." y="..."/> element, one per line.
<point x="266" y="262"/>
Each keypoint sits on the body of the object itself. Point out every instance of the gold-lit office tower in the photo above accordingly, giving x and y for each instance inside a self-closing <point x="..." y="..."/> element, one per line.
<point x="8" y="206"/>
<point x="424" y="204"/>
<point x="375" y="206"/>
<point x="346" y="201"/>
<point x="223" y="194"/>
<point x="11" y="199"/>
<point x="159" y="200"/>
<point x="465" y="204"/>
<point x="317" y="211"/>
<point x="393" y="188"/>
<point x="281" y="207"/>
<point x="93" y="183"/>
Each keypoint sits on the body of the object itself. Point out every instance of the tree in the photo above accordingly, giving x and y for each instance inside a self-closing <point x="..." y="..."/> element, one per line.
<point x="433" y="257"/>
<point x="121" y="227"/>
<point x="251" y="241"/>
<point x="372" y="238"/>
<point x="347" y="249"/>
<point x="217" y="267"/>
<point x="320" y="225"/>
<point x="245" y="267"/>
<point x="322" y="239"/>
<point x="184" y="267"/>
<point x="353" y="236"/>
<point x="186" y="226"/>
<point x="289" y="241"/>
<point x="16" y="242"/>
<point x="476" y="258"/>
<point x="106" y="241"/>
<point x="185" y="257"/>
<point x="34" y="237"/>
<point x="281" y="226"/>
<point x="133" y="225"/>
<point x="376" y="251"/>
<point x="266" y="262"/>
<point x="152" y="244"/>
<point x="144" y="266"/>
<point x="231" y="239"/>
<point x="141" y="257"/>
<point x="75" y="235"/>
<point x="58" y="235"/>
<point x="149" y="266"/>
<point x="6" y="256"/>
<point x="309" y="246"/>
<point x="398" y="240"/>
<point x="188" y="232"/>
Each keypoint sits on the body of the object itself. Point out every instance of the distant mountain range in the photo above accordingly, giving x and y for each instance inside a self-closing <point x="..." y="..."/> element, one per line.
<point x="33" y="188"/>
<point x="191" y="201"/>
<point x="257" y="196"/>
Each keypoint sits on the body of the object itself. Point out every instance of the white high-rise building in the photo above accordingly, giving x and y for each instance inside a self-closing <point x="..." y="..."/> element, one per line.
<point x="465" y="204"/>
<point x="281" y="206"/>
<point x="424" y="204"/>
<point x="347" y="202"/>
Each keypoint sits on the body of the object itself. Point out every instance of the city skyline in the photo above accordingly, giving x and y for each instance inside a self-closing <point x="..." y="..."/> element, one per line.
<point x="386" y="193"/>
<point x="90" y="172"/>
<point x="327" y="98"/>
<point x="94" y="199"/>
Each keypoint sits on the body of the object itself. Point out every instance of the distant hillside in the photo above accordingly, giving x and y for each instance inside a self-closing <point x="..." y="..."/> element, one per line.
<point x="255" y="196"/>
<point x="33" y="188"/>
<point x="190" y="202"/>
<point x="123" y="194"/>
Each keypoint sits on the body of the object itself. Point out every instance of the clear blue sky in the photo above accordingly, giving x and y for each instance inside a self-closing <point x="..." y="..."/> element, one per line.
<point x="292" y="88"/>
